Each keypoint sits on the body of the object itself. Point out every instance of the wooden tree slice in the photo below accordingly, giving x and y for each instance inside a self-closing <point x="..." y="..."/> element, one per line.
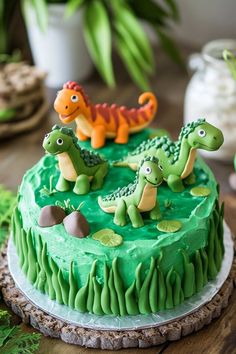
<point x="105" y="339"/>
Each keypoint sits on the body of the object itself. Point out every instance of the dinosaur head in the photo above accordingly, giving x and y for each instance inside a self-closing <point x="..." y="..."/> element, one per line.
<point x="58" y="140"/>
<point x="202" y="135"/>
<point x="151" y="172"/>
<point x="70" y="102"/>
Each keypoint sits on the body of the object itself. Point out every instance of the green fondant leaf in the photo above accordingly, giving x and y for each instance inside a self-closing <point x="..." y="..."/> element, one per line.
<point x="64" y="287"/>
<point x="198" y="271"/>
<point x="90" y="298"/>
<point x="153" y="292"/>
<point x="143" y="303"/>
<point x="200" y="191"/>
<point x="212" y="271"/>
<point x="55" y="280"/>
<point x="178" y="295"/>
<point x="108" y="237"/>
<point x="161" y="290"/>
<point x="138" y="282"/>
<point x="81" y="298"/>
<point x="204" y="259"/>
<point x="113" y="295"/>
<point x="170" y="279"/>
<point x="130" y="300"/>
<point x="101" y="233"/>
<point x="105" y="295"/>
<point x="119" y="287"/>
<point x="97" y="309"/>
<point x="73" y="286"/>
<point x="189" y="276"/>
<point x="169" y="225"/>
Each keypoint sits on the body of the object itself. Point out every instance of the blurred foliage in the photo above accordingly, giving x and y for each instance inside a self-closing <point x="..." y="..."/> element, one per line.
<point x="230" y="60"/>
<point x="117" y="22"/>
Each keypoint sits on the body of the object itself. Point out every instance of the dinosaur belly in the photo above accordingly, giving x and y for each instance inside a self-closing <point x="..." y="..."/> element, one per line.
<point x="148" y="199"/>
<point x="66" y="167"/>
<point x="190" y="163"/>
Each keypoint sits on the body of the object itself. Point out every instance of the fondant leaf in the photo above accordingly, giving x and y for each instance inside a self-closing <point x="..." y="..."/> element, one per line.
<point x="200" y="191"/>
<point x="169" y="225"/>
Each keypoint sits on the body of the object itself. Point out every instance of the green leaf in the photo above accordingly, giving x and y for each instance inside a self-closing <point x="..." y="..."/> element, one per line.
<point x="41" y="12"/>
<point x="124" y="15"/>
<point x="5" y="333"/>
<point x="97" y="33"/>
<point x="72" y="6"/>
<point x="133" y="46"/>
<point x="174" y="11"/>
<point x="150" y="11"/>
<point x="200" y="191"/>
<point x="170" y="47"/>
<point x="230" y="61"/>
<point x="133" y="68"/>
<point x="23" y="343"/>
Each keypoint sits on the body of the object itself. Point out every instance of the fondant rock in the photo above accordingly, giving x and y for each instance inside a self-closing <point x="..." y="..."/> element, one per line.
<point x="76" y="224"/>
<point x="51" y="215"/>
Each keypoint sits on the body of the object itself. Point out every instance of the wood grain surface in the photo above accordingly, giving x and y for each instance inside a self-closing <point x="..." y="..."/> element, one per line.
<point x="20" y="153"/>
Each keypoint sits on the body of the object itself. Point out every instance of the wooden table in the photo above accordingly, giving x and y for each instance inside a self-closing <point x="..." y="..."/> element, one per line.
<point x="20" y="153"/>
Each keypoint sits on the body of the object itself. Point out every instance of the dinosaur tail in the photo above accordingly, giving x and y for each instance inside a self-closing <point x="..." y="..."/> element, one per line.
<point x="151" y="104"/>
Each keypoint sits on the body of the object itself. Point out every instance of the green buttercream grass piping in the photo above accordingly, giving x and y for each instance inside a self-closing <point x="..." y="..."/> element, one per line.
<point x="154" y="293"/>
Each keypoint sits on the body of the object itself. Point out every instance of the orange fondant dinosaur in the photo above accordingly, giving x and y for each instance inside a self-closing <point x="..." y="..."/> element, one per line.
<point x="102" y="121"/>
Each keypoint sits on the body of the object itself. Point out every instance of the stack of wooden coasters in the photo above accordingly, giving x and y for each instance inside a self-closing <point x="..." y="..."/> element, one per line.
<point x="22" y="99"/>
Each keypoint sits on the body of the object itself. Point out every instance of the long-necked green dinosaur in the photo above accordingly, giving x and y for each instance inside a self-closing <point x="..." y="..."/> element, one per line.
<point x="76" y="164"/>
<point x="141" y="196"/>
<point x="177" y="158"/>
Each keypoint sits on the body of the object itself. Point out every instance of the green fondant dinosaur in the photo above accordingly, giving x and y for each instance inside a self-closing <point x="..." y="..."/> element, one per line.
<point x="76" y="164"/>
<point x="177" y="158"/>
<point x="141" y="196"/>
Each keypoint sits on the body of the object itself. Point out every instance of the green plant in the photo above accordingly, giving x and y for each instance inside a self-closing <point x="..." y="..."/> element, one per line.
<point x="45" y="191"/>
<point x="7" y="205"/>
<point x="230" y="60"/>
<point x="67" y="206"/>
<point x="12" y="338"/>
<point x="117" y="22"/>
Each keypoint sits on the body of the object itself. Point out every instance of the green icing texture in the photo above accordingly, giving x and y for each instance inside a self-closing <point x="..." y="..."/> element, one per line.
<point x="149" y="272"/>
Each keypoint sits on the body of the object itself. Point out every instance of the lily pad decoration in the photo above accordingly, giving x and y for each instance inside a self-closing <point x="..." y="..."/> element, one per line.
<point x="108" y="237"/>
<point x="169" y="225"/>
<point x="200" y="191"/>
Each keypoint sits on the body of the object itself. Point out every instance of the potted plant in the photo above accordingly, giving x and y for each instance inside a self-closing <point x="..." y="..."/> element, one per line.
<point x="60" y="32"/>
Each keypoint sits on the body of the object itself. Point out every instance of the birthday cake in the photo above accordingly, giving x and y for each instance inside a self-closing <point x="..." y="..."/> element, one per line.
<point x="128" y="229"/>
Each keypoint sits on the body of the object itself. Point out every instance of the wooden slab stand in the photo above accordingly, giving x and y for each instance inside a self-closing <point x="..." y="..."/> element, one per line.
<point x="112" y="340"/>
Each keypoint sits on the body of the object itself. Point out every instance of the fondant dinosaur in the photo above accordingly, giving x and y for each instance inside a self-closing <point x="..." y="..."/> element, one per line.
<point x="141" y="196"/>
<point x="76" y="165"/>
<point x="177" y="158"/>
<point x="102" y="121"/>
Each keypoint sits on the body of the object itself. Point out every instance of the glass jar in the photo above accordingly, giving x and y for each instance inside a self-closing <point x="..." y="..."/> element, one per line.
<point x="211" y="94"/>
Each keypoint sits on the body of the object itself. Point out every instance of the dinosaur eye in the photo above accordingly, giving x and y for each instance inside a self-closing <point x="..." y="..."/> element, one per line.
<point x="161" y="168"/>
<point x="46" y="135"/>
<point x="201" y="133"/>
<point x="147" y="170"/>
<point x="74" y="98"/>
<point x="60" y="141"/>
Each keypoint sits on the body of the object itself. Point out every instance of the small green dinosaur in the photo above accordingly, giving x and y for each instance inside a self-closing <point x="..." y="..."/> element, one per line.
<point x="177" y="158"/>
<point x="137" y="197"/>
<point x="76" y="164"/>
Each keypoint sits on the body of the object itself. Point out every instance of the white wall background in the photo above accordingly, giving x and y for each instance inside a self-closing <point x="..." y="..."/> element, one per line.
<point x="204" y="20"/>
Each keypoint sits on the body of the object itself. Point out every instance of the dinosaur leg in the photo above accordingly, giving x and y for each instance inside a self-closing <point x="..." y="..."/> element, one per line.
<point x="191" y="179"/>
<point x="62" y="185"/>
<point x="155" y="213"/>
<point x="82" y="185"/>
<point x="80" y="135"/>
<point x="120" y="213"/>
<point x="175" y="183"/>
<point x="122" y="136"/>
<point x="98" y="179"/>
<point x="98" y="136"/>
<point x="135" y="216"/>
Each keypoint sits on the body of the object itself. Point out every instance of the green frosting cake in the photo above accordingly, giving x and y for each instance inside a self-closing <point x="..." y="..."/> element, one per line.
<point x="120" y="270"/>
